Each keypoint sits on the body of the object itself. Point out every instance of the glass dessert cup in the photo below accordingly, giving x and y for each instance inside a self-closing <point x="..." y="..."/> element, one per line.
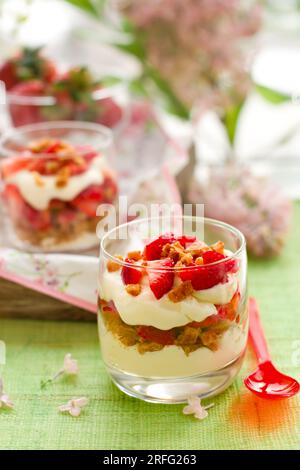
<point x="53" y="178"/>
<point x="173" y="318"/>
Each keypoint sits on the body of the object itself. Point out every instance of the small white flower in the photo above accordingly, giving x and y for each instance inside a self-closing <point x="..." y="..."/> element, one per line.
<point x="5" y="401"/>
<point x="195" y="408"/>
<point x="74" y="406"/>
<point x="70" y="365"/>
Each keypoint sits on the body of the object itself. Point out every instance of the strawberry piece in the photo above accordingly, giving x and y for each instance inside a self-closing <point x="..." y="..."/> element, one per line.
<point x="8" y="74"/>
<point x="22" y="213"/>
<point x="110" y="113"/>
<point x="131" y="275"/>
<point x="27" y="65"/>
<point x="209" y="321"/>
<point x="88" y="200"/>
<point x="12" y="165"/>
<point x="229" y="311"/>
<point x="25" y="113"/>
<point x="161" y="281"/>
<point x="208" y="275"/>
<point x="153" y="249"/>
<point x="186" y="240"/>
<point x="66" y="216"/>
<point x="152" y="334"/>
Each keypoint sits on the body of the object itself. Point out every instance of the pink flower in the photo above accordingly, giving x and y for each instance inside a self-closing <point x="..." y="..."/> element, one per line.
<point x="195" y="408"/>
<point x="5" y="401"/>
<point x="197" y="46"/>
<point x="70" y="367"/>
<point x="74" y="406"/>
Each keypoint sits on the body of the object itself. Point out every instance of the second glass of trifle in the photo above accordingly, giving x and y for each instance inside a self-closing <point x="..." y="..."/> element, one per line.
<point x="173" y="318"/>
<point x="53" y="178"/>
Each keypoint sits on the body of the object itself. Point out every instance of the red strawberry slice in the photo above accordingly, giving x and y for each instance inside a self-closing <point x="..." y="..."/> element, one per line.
<point x="160" y="280"/>
<point x="23" y="213"/>
<point x="66" y="216"/>
<point x="209" y="321"/>
<point x="131" y="275"/>
<point x="110" y="113"/>
<point x="8" y="74"/>
<point x="186" y="240"/>
<point x="206" y="276"/>
<point x="150" y="333"/>
<point x="12" y="165"/>
<point x="229" y="311"/>
<point x="25" y="113"/>
<point x="88" y="200"/>
<point x="153" y="249"/>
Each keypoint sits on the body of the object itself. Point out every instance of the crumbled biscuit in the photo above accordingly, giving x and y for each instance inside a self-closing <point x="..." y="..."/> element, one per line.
<point x="38" y="180"/>
<point x="181" y="292"/>
<point x="62" y="177"/>
<point x="218" y="247"/>
<point x="210" y="339"/>
<point x="175" y="251"/>
<point x="113" y="266"/>
<point x="186" y="259"/>
<point x="149" y="347"/>
<point x="199" y="260"/>
<point x="134" y="255"/>
<point x="133" y="289"/>
<point x="197" y="248"/>
<point x="188" y="336"/>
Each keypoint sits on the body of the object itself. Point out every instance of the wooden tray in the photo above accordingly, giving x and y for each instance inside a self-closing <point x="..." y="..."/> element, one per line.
<point x="17" y="301"/>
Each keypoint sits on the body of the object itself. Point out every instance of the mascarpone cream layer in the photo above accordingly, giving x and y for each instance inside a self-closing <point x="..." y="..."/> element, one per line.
<point x="39" y="195"/>
<point x="164" y="314"/>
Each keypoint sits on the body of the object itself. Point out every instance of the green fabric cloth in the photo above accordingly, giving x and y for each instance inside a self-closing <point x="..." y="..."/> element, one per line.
<point x="239" y="420"/>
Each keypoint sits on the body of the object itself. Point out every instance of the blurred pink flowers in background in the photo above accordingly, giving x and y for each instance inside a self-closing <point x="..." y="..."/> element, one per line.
<point x="254" y="205"/>
<point x="197" y="45"/>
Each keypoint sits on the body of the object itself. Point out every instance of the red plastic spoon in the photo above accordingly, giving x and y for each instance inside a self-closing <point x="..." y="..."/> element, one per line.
<point x="266" y="381"/>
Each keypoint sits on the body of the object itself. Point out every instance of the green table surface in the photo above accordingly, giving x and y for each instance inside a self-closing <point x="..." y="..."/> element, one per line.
<point x="239" y="420"/>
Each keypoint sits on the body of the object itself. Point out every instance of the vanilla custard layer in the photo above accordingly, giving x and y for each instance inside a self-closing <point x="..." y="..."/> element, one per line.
<point x="171" y="361"/>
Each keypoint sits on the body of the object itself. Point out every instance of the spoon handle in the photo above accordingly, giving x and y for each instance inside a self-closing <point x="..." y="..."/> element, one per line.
<point x="256" y="333"/>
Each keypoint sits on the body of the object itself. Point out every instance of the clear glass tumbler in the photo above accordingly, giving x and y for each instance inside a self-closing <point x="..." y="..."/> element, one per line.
<point x="173" y="319"/>
<point x="53" y="178"/>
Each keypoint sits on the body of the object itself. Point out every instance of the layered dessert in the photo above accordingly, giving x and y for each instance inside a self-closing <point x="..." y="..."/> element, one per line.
<point x="172" y="309"/>
<point x="51" y="191"/>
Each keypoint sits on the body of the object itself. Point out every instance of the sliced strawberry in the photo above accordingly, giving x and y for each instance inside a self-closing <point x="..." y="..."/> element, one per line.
<point x="12" y="165"/>
<point x="66" y="216"/>
<point x="208" y="275"/>
<point x="110" y="189"/>
<point x="160" y="280"/>
<point x="23" y="213"/>
<point x="110" y="112"/>
<point x="153" y="249"/>
<point x="25" y="113"/>
<point x="209" y="321"/>
<point x="210" y="256"/>
<point x="88" y="200"/>
<point x="149" y="333"/>
<point x="229" y="311"/>
<point x="131" y="275"/>
<point x="186" y="240"/>
<point x="8" y="74"/>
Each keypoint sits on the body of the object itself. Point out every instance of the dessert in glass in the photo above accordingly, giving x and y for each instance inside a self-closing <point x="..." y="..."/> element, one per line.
<point x="38" y="91"/>
<point x="54" y="177"/>
<point x="173" y="318"/>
